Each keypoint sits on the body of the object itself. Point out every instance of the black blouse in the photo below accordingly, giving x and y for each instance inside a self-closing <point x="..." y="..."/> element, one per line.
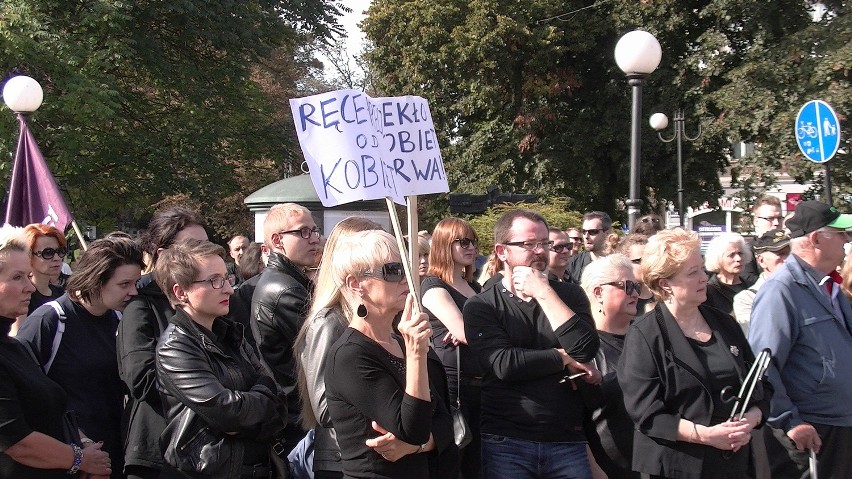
<point x="29" y="402"/>
<point x="446" y="351"/>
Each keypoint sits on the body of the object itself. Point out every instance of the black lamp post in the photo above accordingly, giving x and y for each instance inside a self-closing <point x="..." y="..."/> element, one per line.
<point x="637" y="54"/>
<point x="659" y="122"/>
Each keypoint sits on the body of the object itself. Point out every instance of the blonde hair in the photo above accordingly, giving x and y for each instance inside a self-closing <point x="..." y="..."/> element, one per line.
<point x="278" y="216"/>
<point x="664" y="256"/>
<point x="605" y="270"/>
<point x="11" y="239"/>
<point x="716" y="251"/>
<point x="354" y="246"/>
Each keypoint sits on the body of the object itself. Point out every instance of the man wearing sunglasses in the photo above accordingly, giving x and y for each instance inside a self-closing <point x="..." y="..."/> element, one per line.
<point x="596" y="228"/>
<point x="560" y="254"/>
<point x="280" y="300"/>
<point x="530" y="334"/>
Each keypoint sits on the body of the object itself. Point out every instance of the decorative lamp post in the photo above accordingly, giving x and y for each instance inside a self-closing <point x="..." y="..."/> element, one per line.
<point x="659" y="122"/>
<point x="637" y="54"/>
<point x="22" y="94"/>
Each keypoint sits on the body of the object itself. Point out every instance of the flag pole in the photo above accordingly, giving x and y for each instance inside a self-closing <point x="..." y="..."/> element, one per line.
<point x="402" y="250"/>
<point x="80" y="235"/>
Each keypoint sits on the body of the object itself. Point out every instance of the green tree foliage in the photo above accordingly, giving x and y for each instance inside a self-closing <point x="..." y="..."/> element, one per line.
<point x="145" y="100"/>
<point x="527" y="96"/>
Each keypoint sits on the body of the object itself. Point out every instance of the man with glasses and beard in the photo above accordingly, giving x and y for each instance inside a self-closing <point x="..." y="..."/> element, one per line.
<point x="530" y="335"/>
<point x="596" y="228"/>
<point x="280" y="300"/>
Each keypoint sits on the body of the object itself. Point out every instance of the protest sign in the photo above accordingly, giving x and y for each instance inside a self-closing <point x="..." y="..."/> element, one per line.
<point x="363" y="148"/>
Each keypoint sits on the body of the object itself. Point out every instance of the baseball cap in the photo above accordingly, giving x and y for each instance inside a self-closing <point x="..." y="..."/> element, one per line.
<point x="773" y="240"/>
<point x="813" y="215"/>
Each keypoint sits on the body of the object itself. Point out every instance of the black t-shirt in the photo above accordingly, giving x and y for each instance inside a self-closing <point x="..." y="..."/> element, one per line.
<point x="37" y="299"/>
<point x="523" y="392"/>
<point x="446" y="351"/>
<point x="29" y="402"/>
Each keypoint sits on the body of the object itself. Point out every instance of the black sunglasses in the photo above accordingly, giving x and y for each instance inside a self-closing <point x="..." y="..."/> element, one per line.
<point x="558" y="248"/>
<point x="646" y="219"/>
<point x="465" y="243"/>
<point x="592" y="232"/>
<point x="49" y="253"/>
<point x="628" y="286"/>
<point x="390" y="272"/>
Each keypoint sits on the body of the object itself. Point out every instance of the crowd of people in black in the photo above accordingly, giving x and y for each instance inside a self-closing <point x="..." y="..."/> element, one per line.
<point x="579" y="353"/>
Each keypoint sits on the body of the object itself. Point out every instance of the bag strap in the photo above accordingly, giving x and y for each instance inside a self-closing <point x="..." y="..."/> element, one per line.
<point x="57" y="338"/>
<point x="458" y="375"/>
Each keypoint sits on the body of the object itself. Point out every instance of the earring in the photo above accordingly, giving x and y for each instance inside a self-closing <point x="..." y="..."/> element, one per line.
<point x="361" y="311"/>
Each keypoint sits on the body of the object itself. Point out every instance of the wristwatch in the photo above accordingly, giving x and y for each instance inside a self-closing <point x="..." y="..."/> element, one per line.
<point x="78" y="459"/>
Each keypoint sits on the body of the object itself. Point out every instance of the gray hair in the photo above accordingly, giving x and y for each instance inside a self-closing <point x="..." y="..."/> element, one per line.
<point x="605" y="270"/>
<point x="716" y="250"/>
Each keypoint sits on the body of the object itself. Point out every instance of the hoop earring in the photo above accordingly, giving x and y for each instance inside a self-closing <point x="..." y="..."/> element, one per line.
<point x="361" y="311"/>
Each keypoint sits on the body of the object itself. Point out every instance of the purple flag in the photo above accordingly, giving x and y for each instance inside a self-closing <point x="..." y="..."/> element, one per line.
<point x="34" y="196"/>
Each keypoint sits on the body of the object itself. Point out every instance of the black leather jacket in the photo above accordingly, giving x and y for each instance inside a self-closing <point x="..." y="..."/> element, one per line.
<point x="143" y="322"/>
<point x="278" y="308"/>
<point x="221" y="406"/>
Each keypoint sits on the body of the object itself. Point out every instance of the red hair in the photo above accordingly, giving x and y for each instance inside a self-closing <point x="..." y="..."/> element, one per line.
<point x="36" y="230"/>
<point x="441" y="263"/>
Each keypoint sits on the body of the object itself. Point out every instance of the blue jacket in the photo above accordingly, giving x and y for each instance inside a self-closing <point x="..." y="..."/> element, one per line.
<point x="811" y="349"/>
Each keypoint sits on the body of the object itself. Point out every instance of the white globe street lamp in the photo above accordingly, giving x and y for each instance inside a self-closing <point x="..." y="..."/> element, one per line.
<point x="22" y="94"/>
<point x="637" y="54"/>
<point x="659" y="122"/>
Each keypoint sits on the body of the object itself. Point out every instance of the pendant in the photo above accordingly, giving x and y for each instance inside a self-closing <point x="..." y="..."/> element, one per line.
<point x="735" y="350"/>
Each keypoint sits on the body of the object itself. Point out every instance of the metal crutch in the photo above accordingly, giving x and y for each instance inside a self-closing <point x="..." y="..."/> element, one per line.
<point x="752" y="378"/>
<point x="812" y="464"/>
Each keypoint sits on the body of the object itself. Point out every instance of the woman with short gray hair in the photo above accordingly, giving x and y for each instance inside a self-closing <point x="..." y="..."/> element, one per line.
<point x="725" y="257"/>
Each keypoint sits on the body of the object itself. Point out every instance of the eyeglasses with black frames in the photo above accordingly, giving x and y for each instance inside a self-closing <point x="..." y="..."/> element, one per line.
<point x="304" y="232"/>
<point x="218" y="282"/>
<point x="466" y="243"/>
<point x="49" y="253"/>
<point x="531" y="245"/>
<point x="390" y="272"/>
<point x="628" y="286"/>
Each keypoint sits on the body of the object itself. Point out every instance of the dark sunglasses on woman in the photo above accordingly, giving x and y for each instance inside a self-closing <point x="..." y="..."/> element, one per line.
<point x="628" y="286"/>
<point x="390" y="272"/>
<point x="466" y="243"/>
<point x="49" y="253"/>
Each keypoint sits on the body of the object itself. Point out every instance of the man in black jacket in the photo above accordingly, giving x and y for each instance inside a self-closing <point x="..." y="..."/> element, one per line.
<point x="280" y="300"/>
<point x="529" y="334"/>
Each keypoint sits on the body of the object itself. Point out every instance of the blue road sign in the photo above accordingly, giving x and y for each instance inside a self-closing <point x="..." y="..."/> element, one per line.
<point x="817" y="131"/>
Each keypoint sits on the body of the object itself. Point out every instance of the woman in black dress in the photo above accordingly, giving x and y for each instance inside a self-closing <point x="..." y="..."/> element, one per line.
<point x="31" y="405"/>
<point x="378" y="384"/>
<point x="613" y="292"/>
<point x="221" y="405"/>
<point x="445" y="289"/>
<point x="679" y="362"/>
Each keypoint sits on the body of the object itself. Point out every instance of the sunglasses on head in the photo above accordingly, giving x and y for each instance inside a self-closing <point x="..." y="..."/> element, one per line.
<point x="466" y="243"/>
<point x="558" y="248"/>
<point x="49" y="253"/>
<point x="628" y="286"/>
<point x="390" y="272"/>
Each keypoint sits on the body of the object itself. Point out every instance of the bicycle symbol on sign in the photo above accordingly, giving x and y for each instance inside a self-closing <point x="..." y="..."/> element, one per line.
<point x="806" y="129"/>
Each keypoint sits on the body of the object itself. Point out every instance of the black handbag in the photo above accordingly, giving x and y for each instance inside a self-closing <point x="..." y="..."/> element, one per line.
<point x="461" y="430"/>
